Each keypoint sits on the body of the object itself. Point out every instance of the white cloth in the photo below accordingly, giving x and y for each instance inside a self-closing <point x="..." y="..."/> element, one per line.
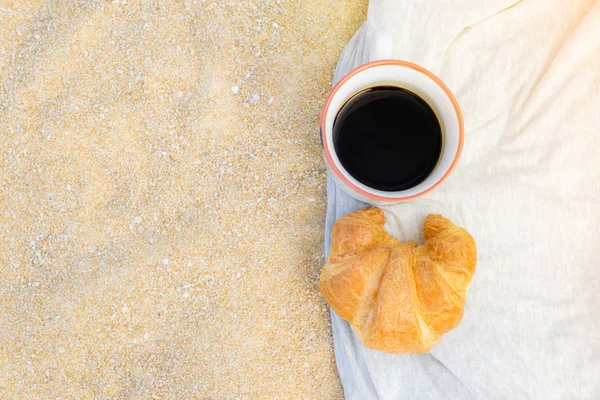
<point x="527" y="77"/>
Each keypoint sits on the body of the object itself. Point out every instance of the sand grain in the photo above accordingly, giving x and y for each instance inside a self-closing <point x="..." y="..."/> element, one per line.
<point x="162" y="198"/>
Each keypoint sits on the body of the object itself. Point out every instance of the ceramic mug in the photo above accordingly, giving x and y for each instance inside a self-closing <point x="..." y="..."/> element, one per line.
<point x="389" y="72"/>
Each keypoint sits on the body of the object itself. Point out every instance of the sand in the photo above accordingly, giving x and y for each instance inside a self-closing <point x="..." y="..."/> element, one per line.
<point x="162" y="198"/>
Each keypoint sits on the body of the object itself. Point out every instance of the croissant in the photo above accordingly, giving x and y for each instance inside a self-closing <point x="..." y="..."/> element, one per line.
<point x="398" y="297"/>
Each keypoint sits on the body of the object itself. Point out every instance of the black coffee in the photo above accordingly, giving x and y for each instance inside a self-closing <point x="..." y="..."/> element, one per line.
<point x="387" y="138"/>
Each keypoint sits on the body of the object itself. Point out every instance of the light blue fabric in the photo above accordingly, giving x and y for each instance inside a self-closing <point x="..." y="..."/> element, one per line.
<point x="527" y="77"/>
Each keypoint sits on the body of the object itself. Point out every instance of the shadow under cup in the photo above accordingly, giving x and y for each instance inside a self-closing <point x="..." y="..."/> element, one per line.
<point x="424" y="85"/>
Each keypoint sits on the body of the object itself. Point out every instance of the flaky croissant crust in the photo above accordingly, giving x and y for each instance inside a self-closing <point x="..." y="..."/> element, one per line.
<point x="398" y="297"/>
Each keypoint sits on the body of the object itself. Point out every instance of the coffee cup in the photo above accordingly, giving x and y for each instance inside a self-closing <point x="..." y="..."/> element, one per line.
<point x="384" y="71"/>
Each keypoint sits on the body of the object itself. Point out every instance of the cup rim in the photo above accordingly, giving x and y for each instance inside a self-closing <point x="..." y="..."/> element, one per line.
<point x="417" y="68"/>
